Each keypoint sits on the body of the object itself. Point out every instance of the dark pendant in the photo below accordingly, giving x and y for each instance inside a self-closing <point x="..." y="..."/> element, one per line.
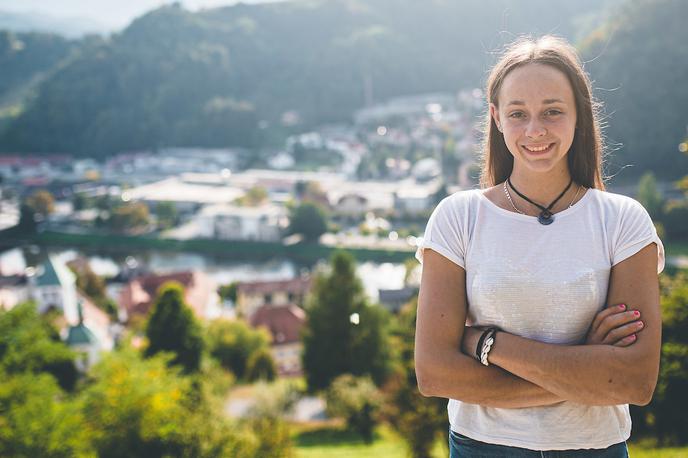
<point x="546" y="218"/>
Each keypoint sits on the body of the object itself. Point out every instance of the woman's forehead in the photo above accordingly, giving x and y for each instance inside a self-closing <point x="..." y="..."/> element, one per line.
<point x="535" y="83"/>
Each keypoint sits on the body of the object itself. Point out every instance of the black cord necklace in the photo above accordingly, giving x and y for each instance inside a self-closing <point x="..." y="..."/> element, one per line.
<point x="545" y="217"/>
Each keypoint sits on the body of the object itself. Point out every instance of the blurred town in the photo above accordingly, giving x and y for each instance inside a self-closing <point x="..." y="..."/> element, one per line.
<point x="253" y="298"/>
<point x="369" y="186"/>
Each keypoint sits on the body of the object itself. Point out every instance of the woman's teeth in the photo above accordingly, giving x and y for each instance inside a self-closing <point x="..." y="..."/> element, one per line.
<point x="537" y="149"/>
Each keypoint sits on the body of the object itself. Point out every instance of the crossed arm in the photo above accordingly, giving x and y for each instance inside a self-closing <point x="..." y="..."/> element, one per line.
<point x="527" y="373"/>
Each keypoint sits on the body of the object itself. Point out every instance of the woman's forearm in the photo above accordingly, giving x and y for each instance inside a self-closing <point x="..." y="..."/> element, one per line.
<point x="588" y="374"/>
<point x="464" y="378"/>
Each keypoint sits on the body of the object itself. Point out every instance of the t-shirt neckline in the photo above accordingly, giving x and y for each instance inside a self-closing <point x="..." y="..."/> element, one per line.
<point x="567" y="211"/>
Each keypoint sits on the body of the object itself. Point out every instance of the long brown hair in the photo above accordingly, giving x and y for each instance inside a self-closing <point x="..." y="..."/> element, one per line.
<point x="585" y="155"/>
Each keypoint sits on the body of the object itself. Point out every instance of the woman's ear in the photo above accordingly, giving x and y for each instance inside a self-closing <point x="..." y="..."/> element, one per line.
<point x="494" y="113"/>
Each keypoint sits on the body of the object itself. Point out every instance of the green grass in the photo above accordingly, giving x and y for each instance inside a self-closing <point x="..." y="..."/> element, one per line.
<point x="335" y="442"/>
<point x="638" y="452"/>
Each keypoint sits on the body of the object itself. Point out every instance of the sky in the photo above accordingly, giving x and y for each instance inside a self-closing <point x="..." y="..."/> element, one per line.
<point x="114" y="14"/>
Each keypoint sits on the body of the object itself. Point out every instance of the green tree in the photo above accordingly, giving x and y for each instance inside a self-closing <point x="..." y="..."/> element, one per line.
<point x="261" y="366"/>
<point x="130" y="217"/>
<point x="81" y="201"/>
<point x="88" y="281"/>
<point x="37" y="419"/>
<point x="27" y="220"/>
<point x="343" y="333"/>
<point x="309" y="220"/>
<point x="254" y="197"/>
<point x="420" y="420"/>
<point x="36" y="416"/>
<point x="671" y="394"/>
<point x="29" y="344"/>
<point x="674" y="220"/>
<point x="143" y="407"/>
<point x="357" y="400"/>
<point x="167" y="215"/>
<point x="172" y="327"/>
<point x="93" y="285"/>
<point x="233" y="342"/>
<point x="649" y="195"/>
<point x="664" y="417"/>
<point x="41" y="202"/>
<point x="228" y="292"/>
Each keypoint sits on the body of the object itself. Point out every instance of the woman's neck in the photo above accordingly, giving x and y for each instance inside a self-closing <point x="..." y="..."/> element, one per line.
<point x="542" y="188"/>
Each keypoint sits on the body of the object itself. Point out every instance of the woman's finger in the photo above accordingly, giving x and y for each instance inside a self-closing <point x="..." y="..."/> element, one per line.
<point x="623" y="332"/>
<point x="605" y="313"/>
<point x="626" y="341"/>
<point x="615" y="321"/>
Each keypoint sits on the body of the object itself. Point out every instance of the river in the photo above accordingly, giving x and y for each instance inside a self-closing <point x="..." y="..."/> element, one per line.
<point x="374" y="276"/>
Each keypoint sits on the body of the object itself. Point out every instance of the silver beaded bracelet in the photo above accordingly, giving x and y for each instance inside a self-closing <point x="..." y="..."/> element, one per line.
<point x="487" y="346"/>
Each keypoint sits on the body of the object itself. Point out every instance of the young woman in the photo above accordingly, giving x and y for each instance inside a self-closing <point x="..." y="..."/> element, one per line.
<point x="513" y="324"/>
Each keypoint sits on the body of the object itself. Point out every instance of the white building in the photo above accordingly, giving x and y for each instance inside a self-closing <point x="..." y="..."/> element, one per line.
<point x="13" y="291"/>
<point x="414" y="200"/>
<point x="89" y="330"/>
<point x="185" y="196"/>
<point x="232" y="222"/>
<point x="54" y="287"/>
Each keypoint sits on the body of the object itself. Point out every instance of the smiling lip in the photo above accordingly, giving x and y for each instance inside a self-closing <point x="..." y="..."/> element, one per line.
<point x="538" y="149"/>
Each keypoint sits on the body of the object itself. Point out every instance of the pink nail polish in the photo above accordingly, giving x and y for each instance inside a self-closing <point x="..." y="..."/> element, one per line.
<point x="632" y="337"/>
<point x="622" y="306"/>
<point x="636" y="313"/>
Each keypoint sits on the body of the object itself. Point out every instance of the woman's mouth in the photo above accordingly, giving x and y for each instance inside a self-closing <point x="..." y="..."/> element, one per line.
<point x="538" y="149"/>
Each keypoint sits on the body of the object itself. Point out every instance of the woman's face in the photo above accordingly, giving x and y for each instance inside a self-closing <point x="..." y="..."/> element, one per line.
<point x="537" y="116"/>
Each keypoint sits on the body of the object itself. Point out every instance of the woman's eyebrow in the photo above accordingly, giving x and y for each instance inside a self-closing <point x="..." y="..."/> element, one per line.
<point x="544" y="102"/>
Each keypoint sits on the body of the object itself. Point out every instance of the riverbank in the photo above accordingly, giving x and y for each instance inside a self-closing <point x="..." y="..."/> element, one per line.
<point x="303" y="253"/>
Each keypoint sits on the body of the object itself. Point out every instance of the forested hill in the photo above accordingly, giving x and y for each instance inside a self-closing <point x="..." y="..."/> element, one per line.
<point x="179" y="78"/>
<point x="639" y="60"/>
<point x="208" y="78"/>
<point x="25" y="58"/>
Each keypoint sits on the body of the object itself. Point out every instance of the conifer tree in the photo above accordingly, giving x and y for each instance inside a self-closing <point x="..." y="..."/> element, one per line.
<point x="343" y="333"/>
<point x="172" y="327"/>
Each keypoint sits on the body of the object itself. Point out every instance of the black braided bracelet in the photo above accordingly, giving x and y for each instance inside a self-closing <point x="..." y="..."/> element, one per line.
<point x="483" y="336"/>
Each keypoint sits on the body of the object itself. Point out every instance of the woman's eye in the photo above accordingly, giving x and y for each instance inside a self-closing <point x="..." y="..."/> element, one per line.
<point x="552" y="112"/>
<point x="517" y="114"/>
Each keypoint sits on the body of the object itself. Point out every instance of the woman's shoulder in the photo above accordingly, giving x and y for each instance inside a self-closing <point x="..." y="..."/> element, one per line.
<point x="457" y="207"/>
<point x="462" y="199"/>
<point x="614" y="204"/>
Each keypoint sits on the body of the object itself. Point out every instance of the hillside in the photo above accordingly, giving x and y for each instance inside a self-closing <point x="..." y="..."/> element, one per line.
<point x="26" y="59"/>
<point x="226" y="76"/>
<point x="179" y="78"/>
<point x="639" y="61"/>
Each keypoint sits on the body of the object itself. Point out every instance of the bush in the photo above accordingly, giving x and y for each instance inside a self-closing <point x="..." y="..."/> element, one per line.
<point x="358" y="401"/>
<point x="261" y="366"/>
<point x="232" y="343"/>
<point x="664" y="417"/>
<point x="266" y="419"/>
<point x="674" y="220"/>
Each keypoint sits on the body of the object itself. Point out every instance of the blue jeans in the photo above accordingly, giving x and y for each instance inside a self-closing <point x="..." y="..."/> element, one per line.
<point x="461" y="446"/>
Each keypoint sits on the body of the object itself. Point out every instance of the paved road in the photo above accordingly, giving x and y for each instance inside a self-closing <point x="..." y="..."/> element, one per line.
<point x="307" y="409"/>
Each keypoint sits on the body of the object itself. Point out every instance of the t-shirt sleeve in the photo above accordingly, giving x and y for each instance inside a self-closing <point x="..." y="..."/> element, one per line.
<point x="444" y="234"/>
<point x="634" y="232"/>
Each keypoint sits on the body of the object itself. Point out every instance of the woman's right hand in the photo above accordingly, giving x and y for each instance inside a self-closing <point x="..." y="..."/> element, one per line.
<point x="616" y="326"/>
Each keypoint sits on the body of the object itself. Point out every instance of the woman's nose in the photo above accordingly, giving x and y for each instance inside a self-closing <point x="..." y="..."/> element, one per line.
<point x="535" y="129"/>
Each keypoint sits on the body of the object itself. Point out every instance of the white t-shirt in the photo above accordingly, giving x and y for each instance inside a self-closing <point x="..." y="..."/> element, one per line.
<point x="544" y="283"/>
